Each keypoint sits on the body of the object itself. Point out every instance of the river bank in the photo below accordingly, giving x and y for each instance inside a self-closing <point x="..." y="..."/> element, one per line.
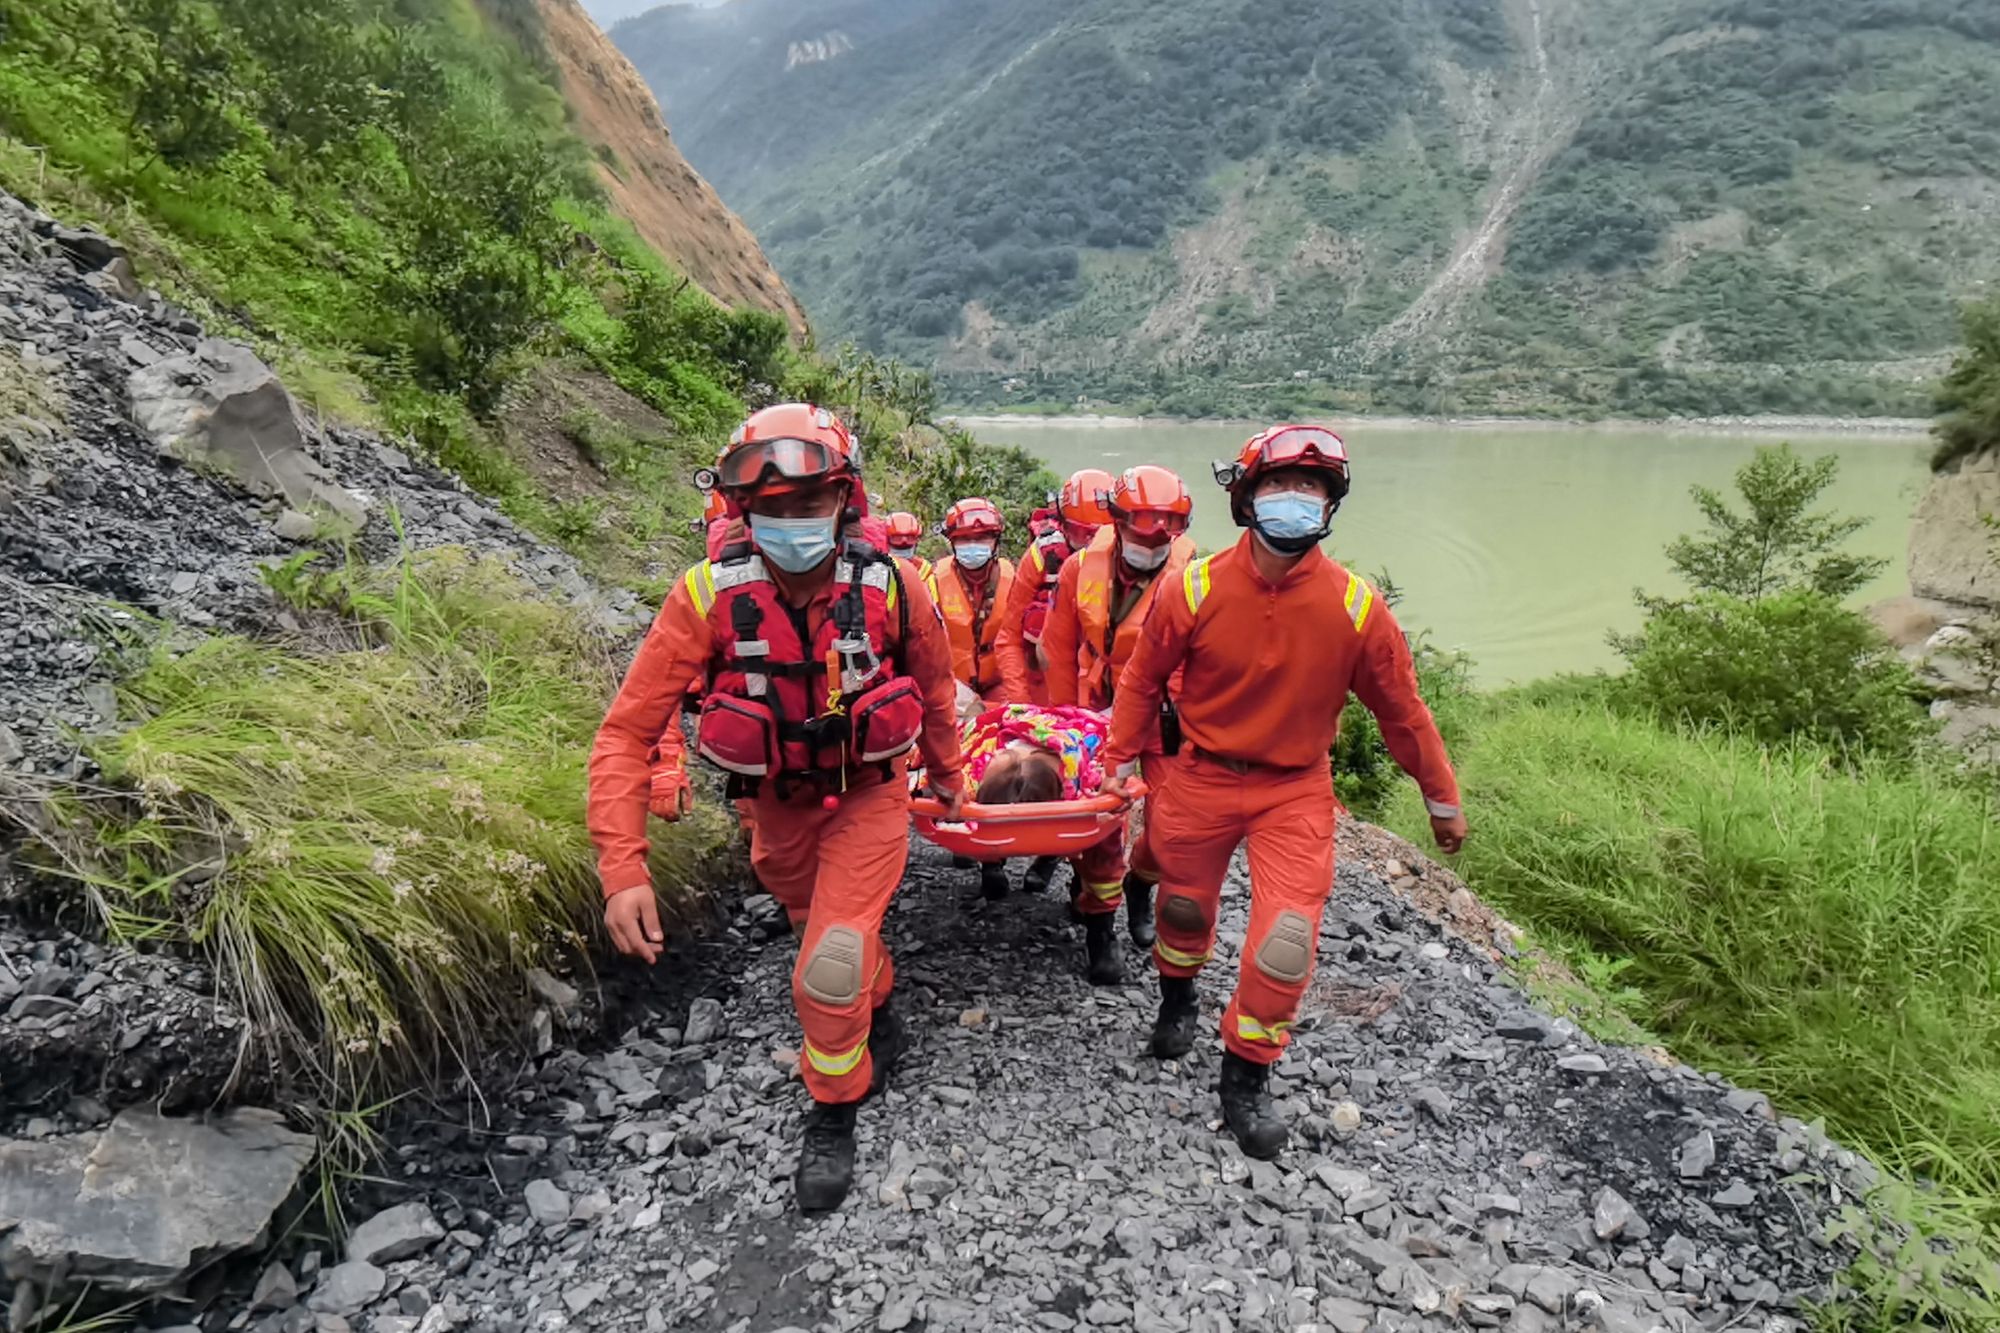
<point x="1886" y="428"/>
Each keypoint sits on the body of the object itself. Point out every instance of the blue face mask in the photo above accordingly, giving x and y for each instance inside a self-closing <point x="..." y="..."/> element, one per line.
<point x="794" y="545"/>
<point x="973" y="555"/>
<point x="1290" y="520"/>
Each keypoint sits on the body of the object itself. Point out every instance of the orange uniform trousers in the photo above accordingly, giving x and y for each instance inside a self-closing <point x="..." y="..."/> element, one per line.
<point x="835" y="871"/>
<point x="1199" y="816"/>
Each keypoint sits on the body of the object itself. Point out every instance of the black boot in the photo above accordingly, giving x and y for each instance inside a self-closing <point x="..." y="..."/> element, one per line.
<point x="1139" y="910"/>
<point x="993" y="883"/>
<point x="1247" y="1107"/>
<point x="1100" y="942"/>
<point x="962" y="862"/>
<point x="1041" y="871"/>
<point x="826" y="1157"/>
<point x="1180" y="1013"/>
<point x="886" y="1043"/>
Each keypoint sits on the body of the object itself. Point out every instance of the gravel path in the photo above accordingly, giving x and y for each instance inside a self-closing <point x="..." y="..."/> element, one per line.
<point x="1458" y="1161"/>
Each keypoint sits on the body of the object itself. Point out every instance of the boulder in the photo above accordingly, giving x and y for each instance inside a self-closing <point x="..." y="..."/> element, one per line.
<point x="1909" y="622"/>
<point x="1951" y="548"/>
<point x="1970" y="725"/>
<point x="222" y="409"/>
<point x="130" y="1208"/>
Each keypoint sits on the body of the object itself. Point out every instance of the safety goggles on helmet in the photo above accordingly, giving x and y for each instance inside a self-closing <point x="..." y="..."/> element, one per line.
<point x="1287" y="446"/>
<point x="1151" y="522"/>
<point x="753" y="463"/>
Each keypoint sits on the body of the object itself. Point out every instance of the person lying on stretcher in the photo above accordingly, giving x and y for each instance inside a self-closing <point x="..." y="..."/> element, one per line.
<point x="1021" y="754"/>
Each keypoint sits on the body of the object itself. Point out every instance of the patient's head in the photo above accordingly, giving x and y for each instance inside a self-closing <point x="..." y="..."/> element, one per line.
<point x="1021" y="777"/>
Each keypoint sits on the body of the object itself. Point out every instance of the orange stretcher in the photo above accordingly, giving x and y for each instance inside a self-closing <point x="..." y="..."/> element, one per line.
<point x="1048" y="828"/>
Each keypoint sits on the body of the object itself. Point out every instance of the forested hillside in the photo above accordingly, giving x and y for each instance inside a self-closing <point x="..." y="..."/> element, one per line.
<point x="1530" y="205"/>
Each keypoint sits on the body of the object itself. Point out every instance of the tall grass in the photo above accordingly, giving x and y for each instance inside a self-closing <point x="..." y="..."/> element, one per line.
<point x="373" y="843"/>
<point x="1827" y="932"/>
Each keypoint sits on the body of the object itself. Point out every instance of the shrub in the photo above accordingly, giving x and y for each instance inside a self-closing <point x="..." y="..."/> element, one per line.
<point x="1794" y="665"/>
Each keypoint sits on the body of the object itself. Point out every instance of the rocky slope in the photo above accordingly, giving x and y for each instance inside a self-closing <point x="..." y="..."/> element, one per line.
<point x="1705" y="206"/>
<point x="1462" y="1160"/>
<point x="648" y="181"/>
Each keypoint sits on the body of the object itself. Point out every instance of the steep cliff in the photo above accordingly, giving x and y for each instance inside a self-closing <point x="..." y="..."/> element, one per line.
<point x="650" y="184"/>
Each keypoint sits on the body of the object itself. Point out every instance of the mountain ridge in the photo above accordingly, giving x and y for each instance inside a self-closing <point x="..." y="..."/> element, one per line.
<point x="1708" y="206"/>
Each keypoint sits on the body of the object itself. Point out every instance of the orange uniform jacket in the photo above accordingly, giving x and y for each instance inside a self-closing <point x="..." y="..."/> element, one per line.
<point x="1017" y="656"/>
<point x="1079" y="669"/>
<point x="972" y="621"/>
<point x="1266" y="670"/>
<point x="679" y="653"/>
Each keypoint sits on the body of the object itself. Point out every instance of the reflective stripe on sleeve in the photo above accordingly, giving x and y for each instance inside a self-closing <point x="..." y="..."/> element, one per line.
<point x="701" y="586"/>
<point x="1360" y="600"/>
<point x="1194" y="582"/>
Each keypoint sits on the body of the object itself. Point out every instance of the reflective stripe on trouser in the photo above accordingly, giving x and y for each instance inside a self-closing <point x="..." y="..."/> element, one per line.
<point x="1100" y="875"/>
<point x="1199" y="819"/>
<point x="837" y="870"/>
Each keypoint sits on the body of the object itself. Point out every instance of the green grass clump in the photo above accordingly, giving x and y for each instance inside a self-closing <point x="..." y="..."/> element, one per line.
<point x="372" y="843"/>
<point x="1827" y="929"/>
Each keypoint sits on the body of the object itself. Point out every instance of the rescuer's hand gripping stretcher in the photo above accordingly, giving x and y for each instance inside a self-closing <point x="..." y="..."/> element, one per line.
<point x="1034" y="774"/>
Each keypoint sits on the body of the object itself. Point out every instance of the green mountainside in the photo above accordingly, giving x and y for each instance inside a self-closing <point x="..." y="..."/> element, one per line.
<point x="1626" y="206"/>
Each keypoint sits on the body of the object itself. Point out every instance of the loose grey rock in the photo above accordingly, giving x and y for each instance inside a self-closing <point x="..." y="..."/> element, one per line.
<point x="347" y="1288"/>
<point x="1697" y="1156"/>
<point x="187" y="1191"/>
<point x="1584" y="1062"/>
<point x="1613" y="1216"/>
<point x="1522" y="1026"/>
<point x="275" y="1290"/>
<point x="1434" y="1103"/>
<point x="1743" y="1101"/>
<point x="704" y="1021"/>
<point x="547" y="1203"/>
<point x="1738" y="1195"/>
<point x="395" y="1233"/>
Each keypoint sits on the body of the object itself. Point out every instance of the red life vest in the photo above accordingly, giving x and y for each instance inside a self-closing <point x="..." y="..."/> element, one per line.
<point x="779" y="707"/>
<point x="1043" y="562"/>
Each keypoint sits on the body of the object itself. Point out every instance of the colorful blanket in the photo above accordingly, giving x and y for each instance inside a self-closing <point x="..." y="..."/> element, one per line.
<point x="1074" y="735"/>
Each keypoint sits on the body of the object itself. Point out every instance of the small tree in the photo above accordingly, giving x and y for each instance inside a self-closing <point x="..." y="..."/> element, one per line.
<point x="1968" y="401"/>
<point x="1778" y="545"/>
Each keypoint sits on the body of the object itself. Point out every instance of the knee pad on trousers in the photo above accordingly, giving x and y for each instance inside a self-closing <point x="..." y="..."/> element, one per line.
<point x="1286" y="953"/>
<point x="831" y="973"/>
<point x="1183" y="914"/>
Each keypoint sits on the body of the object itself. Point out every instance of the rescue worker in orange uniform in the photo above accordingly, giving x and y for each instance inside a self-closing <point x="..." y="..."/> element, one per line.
<point x="821" y="668"/>
<point x="1103" y="600"/>
<point x="1074" y="515"/>
<point x="906" y="530"/>
<point x="970" y="588"/>
<point x="1269" y="636"/>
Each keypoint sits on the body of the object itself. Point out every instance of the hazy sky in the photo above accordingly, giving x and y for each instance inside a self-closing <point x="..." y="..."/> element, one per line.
<point x="608" y="12"/>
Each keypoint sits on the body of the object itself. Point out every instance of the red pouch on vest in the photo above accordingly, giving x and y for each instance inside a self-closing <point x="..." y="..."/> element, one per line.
<point x="887" y="720"/>
<point x="1034" y="620"/>
<point x="738" y="735"/>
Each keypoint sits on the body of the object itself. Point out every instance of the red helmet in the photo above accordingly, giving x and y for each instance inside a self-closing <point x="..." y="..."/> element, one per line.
<point x="905" y="531"/>
<point x="1277" y="449"/>
<point x="1150" y="500"/>
<point x="972" y="517"/>
<point x="788" y="447"/>
<point x="1082" y="498"/>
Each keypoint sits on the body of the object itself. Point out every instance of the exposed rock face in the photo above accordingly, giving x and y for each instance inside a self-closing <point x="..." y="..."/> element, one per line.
<point x="652" y="186"/>
<point x="1951" y="547"/>
<point x="221" y="408"/>
<point x="132" y="1208"/>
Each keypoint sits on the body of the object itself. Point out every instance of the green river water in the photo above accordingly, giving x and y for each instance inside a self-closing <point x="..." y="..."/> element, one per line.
<point x="1520" y="546"/>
